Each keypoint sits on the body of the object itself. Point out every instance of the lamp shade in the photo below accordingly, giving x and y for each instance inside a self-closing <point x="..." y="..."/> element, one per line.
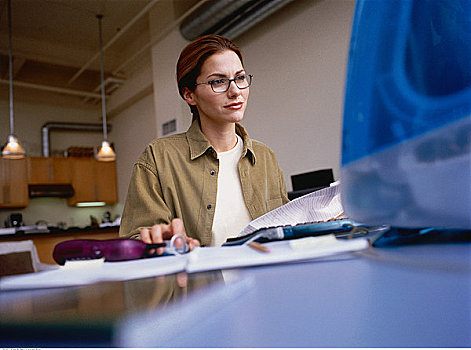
<point x="105" y="152"/>
<point x="13" y="149"/>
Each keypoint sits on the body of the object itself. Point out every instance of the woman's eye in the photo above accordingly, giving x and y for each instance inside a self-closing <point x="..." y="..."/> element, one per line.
<point x="240" y="77"/>
<point x="219" y="82"/>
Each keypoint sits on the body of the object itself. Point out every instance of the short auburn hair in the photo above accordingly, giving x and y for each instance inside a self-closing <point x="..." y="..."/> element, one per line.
<point x="194" y="55"/>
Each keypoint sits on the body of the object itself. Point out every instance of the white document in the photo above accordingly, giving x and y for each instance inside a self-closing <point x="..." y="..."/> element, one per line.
<point x="200" y="259"/>
<point x="320" y="205"/>
<point x="215" y="258"/>
<point x="108" y="271"/>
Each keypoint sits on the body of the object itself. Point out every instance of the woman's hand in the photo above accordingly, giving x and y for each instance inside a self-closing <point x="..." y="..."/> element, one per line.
<point x="160" y="232"/>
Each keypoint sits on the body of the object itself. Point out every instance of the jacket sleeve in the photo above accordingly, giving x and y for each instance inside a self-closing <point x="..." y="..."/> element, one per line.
<point x="284" y="190"/>
<point x="144" y="204"/>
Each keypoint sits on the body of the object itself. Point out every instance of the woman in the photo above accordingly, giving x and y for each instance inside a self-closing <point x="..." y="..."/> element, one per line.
<point x="210" y="182"/>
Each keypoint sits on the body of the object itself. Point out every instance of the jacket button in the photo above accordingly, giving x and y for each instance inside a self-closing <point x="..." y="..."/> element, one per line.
<point x="212" y="172"/>
<point x="209" y="206"/>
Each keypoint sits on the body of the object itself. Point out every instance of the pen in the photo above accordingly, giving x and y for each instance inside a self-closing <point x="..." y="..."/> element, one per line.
<point x="258" y="247"/>
<point x="291" y="232"/>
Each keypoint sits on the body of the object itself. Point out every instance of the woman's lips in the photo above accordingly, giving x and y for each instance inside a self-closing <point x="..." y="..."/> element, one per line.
<point x="237" y="105"/>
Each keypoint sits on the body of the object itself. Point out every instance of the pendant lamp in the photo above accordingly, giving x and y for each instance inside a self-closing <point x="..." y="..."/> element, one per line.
<point x="12" y="149"/>
<point x="105" y="151"/>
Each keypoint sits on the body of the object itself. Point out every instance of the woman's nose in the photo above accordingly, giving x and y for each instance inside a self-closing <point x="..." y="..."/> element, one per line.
<point x="233" y="89"/>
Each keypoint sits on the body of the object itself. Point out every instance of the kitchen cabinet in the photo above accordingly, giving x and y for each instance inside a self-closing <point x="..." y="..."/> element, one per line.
<point x="93" y="181"/>
<point x="105" y="182"/>
<point x="13" y="183"/>
<point x="48" y="170"/>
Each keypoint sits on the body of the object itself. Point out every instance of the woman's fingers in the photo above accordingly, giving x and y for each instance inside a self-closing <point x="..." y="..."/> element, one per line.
<point x="192" y="243"/>
<point x="156" y="233"/>
<point x="178" y="228"/>
<point x="144" y="233"/>
<point x="153" y="235"/>
<point x="160" y="232"/>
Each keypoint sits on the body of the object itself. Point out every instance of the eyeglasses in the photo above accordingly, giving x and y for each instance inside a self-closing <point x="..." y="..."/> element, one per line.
<point x="242" y="81"/>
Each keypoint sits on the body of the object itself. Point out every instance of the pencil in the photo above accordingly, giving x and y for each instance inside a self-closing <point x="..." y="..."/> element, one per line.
<point x="258" y="247"/>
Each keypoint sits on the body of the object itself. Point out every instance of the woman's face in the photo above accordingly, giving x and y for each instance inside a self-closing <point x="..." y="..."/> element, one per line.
<point x="224" y="107"/>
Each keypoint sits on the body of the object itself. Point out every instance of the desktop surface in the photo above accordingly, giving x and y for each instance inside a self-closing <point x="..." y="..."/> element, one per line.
<point x="406" y="296"/>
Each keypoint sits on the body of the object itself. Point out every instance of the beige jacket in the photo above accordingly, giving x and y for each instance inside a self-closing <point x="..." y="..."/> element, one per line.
<point x="176" y="177"/>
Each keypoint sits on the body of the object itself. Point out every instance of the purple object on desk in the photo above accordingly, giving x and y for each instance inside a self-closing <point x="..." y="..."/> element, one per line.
<point x="110" y="249"/>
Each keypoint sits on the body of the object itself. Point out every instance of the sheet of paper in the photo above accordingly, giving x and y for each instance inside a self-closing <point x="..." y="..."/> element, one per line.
<point x="214" y="258"/>
<point x="200" y="259"/>
<point x="108" y="271"/>
<point x="320" y="205"/>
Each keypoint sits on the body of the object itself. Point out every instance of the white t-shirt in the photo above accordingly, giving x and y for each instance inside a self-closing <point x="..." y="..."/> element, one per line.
<point x="231" y="214"/>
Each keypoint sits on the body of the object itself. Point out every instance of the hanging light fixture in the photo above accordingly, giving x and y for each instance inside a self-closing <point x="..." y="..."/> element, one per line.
<point x="105" y="151"/>
<point x="12" y="149"/>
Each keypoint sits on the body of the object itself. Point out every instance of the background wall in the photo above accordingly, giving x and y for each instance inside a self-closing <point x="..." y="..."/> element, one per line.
<point x="298" y="57"/>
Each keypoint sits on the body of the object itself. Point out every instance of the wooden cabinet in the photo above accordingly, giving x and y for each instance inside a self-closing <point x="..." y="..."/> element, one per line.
<point x="93" y="181"/>
<point x="105" y="182"/>
<point x="13" y="183"/>
<point x="49" y="170"/>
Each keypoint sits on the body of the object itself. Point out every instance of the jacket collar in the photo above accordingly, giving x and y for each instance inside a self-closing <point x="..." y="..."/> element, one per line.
<point x="199" y="144"/>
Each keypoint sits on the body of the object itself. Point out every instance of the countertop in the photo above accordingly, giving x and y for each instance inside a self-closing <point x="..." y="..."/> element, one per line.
<point x="43" y="230"/>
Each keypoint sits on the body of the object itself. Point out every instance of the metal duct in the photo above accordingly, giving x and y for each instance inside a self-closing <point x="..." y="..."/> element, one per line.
<point x="50" y="126"/>
<point x="229" y="18"/>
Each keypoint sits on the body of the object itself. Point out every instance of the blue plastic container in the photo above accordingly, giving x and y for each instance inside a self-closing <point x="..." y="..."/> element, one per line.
<point x="406" y="156"/>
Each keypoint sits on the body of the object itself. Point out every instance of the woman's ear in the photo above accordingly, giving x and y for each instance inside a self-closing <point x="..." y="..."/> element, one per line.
<point x="188" y="95"/>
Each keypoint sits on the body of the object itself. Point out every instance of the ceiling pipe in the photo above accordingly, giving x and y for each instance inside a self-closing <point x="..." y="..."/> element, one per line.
<point x="60" y="126"/>
<point x="257" y="15"/>
<point x="228" y="17"/>
<point x="207" y="16"/>
<point x="112" y="41"/>
<point x="53" y="89"/>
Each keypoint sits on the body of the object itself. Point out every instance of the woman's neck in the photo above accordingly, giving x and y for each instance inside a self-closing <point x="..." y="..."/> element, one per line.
<point x="223" y="138"/>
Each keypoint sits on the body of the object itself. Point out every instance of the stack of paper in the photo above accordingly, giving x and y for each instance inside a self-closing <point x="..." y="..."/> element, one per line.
<point x="200" y="259"/>
<point x="211" y="258"/>
<point x="316" y="206"/>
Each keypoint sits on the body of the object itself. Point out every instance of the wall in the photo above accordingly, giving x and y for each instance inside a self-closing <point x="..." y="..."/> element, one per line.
<point x="31" y="116"/>
<point x="134" y="127"/>
<point x="298" y="57"/>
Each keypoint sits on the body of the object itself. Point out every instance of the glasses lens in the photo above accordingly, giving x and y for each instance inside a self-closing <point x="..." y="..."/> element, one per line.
<point x="243" y="81"/>
<point x="220" y="85"/>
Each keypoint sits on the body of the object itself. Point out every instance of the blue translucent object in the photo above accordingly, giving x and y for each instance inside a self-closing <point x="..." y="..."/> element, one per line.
<point x="406" y="152"/>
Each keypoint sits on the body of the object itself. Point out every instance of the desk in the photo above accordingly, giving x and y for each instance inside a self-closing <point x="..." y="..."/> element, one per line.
<point x="408" y="296"/>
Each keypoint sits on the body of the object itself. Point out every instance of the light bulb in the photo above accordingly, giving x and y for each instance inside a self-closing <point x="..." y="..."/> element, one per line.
<point x="105" y="153"/>
<point x="13" y="149"/>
